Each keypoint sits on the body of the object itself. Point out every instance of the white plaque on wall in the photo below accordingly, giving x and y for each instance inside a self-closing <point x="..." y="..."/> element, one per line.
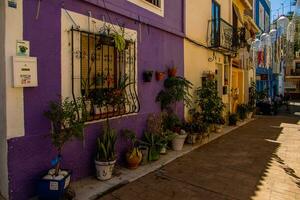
<point x="25" y="71"/>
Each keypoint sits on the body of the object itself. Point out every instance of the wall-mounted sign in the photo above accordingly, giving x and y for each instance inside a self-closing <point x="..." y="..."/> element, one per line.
<point x="12" y="3"/>
<point x="23" y="48"/>
<point x="25" y="71"/>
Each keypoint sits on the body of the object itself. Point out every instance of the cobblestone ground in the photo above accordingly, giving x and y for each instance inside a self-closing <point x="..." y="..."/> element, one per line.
<point x="260" y="160"/>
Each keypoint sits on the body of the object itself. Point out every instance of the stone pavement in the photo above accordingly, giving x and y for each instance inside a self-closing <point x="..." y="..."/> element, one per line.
<point x="260" y="160"/>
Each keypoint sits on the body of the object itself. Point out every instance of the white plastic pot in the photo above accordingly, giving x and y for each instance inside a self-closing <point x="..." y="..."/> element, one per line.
<point x="218" y="128"/>
<point x="178" y="141"/>
<point x="104" y="169"/>
<point x="249" y="115"/>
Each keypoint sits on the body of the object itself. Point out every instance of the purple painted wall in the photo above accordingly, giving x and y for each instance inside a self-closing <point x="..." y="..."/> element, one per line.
<point x="161" y="45"/>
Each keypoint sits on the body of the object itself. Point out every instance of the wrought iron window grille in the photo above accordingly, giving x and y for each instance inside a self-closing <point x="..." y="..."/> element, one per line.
<point x="155" y="2"/>
<point x="108" y="78"/>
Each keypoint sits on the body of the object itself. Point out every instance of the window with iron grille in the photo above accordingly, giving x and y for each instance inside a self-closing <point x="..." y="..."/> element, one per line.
<point x="107" y="77"/>
<point x="154" y="2"/>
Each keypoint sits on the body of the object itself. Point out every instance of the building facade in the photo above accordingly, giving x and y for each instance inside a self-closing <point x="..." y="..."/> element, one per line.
<point x="266" y="80"/>
<point x="222" y="51"/>
<point x="61" y="35"/>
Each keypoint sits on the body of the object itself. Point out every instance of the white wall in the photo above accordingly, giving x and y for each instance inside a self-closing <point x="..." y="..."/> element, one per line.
<point x="14" y="96"/>
<point x="3" y="143"/>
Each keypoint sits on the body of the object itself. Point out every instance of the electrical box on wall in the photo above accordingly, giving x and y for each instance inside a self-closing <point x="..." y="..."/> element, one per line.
<point x="25" y="71"/>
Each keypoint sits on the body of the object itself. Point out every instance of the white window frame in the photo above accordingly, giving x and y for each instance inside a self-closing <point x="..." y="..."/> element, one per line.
<point x="149" y="6"/>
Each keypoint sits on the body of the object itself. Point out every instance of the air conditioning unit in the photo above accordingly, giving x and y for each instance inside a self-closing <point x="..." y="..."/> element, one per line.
<point x="297" y="54"/>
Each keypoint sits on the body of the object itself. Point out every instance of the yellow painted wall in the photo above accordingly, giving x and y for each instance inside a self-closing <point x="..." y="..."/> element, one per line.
<point x="198" y="14"/>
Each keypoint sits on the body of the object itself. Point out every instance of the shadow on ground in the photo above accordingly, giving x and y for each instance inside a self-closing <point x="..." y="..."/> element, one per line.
<point x="231" y="167"/>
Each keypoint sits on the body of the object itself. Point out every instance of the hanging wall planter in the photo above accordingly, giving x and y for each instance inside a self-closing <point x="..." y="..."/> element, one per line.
<point x="147" y="76"/>
<point x="159" y="75"/>
<point x="172" y="72"/>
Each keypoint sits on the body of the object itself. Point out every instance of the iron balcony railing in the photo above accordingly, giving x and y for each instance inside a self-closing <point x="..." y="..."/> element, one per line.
<point x="222" y="36"/>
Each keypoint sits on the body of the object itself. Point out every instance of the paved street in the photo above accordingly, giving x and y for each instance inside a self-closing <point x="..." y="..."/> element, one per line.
<point x="260" y="160"/>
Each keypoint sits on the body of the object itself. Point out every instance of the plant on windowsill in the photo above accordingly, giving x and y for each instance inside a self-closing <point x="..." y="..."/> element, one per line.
<point x="133" y="155"/>
<point x="105" y="154"/>
<point x="67" y="122"/>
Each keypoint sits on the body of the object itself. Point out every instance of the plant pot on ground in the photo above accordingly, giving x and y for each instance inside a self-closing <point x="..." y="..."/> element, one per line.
<point x="67" y="120"/>
<point x="147" y="76"/>
<point x="178" y="141"/>
<point x="210" y="103"/>
<point x="242" y="110"/>
<point x="232" y="119"/>
<point x="134" y="155"/>
<point x="154" y="144"/>
<point x="105" y="155"/>
<point x="220" y="121"/>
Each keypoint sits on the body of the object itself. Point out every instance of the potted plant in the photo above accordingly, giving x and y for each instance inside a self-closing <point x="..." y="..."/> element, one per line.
<point x="172" y="71"/>
<point x="105" y="155"/>
<point x="220" y="121"/>
<point x="192" y="136"/>
<point x="210" y="103"/>
<point x="147" y="75"/>
<point x="154" y="143"/>
<point x="67" y="123"/>
<point x="232" y="119"/>
<point x="155" y="126"/>
<point x="134" y="155"/>
<point x="242" y="110"/>
<point x="159" y="75"/>
<point x="252" y="99"/>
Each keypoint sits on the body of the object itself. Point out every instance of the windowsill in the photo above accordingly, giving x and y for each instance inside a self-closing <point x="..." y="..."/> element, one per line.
<point x="112" y="118"/>
<point x="149" y="6"/>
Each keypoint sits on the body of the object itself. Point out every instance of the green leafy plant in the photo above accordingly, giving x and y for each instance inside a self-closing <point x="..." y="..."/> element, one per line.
<point x="154" y="143"/>
<point x="176" y="90"/>
<point x="171" y="122"/>
<point x="106" y="144"/>
<point x="233" y="118"/>
<point x="210" y="103"/>
<point x="67" y="121"/>
<point x="252" y="97"/>
<point x="242" y="110"/>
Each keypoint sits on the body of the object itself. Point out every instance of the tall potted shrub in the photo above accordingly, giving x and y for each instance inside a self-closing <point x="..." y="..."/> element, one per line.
<point x="176" y="89"/>
<point x="67" y="123"/>
<point x="210" y="103"/>
<point x="252" y="99"/>
<point x="105" y="156"/>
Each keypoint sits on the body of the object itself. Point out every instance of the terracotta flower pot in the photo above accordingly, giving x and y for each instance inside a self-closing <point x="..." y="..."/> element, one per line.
<point x="159" y="75"/>
<point x="133" y="159"/>
<point x="172" y="72"/>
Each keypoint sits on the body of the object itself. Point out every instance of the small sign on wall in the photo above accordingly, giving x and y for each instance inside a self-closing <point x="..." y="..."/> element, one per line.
<point x="25" y="71"/>
<point x="23" y="48"/>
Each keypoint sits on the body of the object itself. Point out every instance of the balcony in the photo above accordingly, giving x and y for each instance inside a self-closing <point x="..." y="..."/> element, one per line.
<point x="222" y="36"/>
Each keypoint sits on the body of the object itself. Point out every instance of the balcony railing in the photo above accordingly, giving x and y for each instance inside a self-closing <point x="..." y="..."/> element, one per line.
<point x="222" y="36"/>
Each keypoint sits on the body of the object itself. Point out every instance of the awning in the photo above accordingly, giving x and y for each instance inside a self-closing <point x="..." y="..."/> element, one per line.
<point x="237" y="12"/>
